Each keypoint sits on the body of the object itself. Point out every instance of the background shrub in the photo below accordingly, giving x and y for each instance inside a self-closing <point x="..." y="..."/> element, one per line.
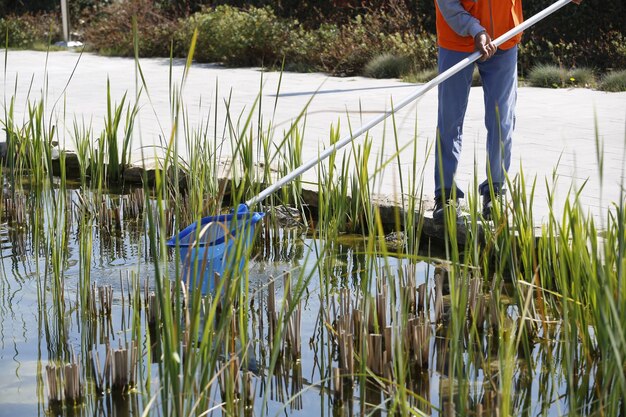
<point x="242" y="37"/>
<point x="27" y="30"/>
<point x="422" y="76"/>
<point x="553" y="76"/>
<point x="419" y="48"/>
<point x="307" y="46"/>
<point x="337" y="36"/>
<point x="386" y="65"/>
<point x="374" y="33"/>
<point x="590" y="35"/>
<point x="582" y="77"/>
<point x="545" y="75"/>
<point x="614" y="81"/>
<point x="110" y="31"/>
<point x="351" y="47"/>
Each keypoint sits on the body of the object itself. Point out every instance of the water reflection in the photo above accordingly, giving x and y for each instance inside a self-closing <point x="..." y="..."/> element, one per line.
<point x="364" y="336"/>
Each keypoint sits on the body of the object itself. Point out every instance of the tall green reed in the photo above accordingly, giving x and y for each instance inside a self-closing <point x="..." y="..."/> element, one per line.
<point x="567" y="274"/>
<point x="118" y="158"/>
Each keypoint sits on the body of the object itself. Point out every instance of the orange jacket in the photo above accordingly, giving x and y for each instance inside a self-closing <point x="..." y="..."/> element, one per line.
<point x="495" y="16"/>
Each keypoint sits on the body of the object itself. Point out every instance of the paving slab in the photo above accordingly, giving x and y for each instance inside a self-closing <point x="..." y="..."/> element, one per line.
<point x="558" y="131"/>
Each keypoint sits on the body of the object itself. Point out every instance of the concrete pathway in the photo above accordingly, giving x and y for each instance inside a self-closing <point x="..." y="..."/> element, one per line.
<point x="555" y="133"/>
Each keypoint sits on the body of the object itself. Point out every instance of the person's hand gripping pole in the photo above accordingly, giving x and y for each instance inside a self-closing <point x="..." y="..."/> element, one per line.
<point x="484" y="45"/>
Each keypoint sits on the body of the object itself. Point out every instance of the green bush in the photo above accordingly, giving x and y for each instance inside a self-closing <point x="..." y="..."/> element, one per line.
<point x="110" y="31"/>
<point x="27" y="31"/>
<point x="589" y="34"/>
<point x="386" y="65"/>
<point x="582" y="77"/>
<point x="354" y="32"/>
<point x="307" y="46"/>
<point x="545" y="75"/>
<point x="242" y="37"/>
<point x="553" y="76"/>
<point x="608" y="51"/>
<point x="420" y="49"/>
<point x="614" y="81"/>
<point x="421" y="76"/>
<point x="8" y="7"/>
<point x="351" y="47"/>
<point x="375" y="33"/>
<point x="424" y="76"/>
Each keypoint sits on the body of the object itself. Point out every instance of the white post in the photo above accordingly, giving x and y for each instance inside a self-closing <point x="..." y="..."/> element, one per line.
<point x="66" y="21"/>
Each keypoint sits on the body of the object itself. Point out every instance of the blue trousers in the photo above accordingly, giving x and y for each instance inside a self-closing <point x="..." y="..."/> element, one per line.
<point x="499" y="79"/>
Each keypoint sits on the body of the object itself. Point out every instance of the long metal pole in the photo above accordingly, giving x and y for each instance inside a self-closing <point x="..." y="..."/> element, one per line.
<point x="420" y="91"/>
<point x="65" y="20"/>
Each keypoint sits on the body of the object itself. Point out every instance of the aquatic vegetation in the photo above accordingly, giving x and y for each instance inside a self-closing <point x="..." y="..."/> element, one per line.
<point x="320" y="316"/>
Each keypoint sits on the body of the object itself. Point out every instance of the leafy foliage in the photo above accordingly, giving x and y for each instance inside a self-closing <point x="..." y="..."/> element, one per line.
<point x="386" y="66"/>
<point x="614" y="81"/>
<point x="545" y="75"/>
<point x="376" y="33"/>
<point x="553" y="76"/>
<point x="242" y="37"/>
<point x="27" y="30"/>
<point x="339" y="36"/>
<point x="111" y="30"/>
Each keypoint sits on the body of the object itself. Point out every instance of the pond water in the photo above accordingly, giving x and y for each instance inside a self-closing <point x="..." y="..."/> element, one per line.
<point x="121" y="258"/>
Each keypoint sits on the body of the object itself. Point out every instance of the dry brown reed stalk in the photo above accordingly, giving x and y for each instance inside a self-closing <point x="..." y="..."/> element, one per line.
<point x="109" y="215"/>
<point x="151" y="302"/>
<point x="98" y="373"/>
<point x="439" y="283"/>
<point x="279" y="382"/>
<point x="153" y="311"/>
<point x="170" y="220"/>
<point x="418" y="337"/>
<point x="494" y="308"/>
<point x="476" y="302"/>
<point x="101" y="300"/>
<point x="359" y="327"/>
<point x="272" y="316"/>
<point x="388" y="344"/>
<point x="15" y="209"/>
<point x="345" y="338"/>
<point x="122" y="368"/>
<point x="408" y="299"/>
<point x="293" y="321"/>
<point x="381" y="305"/>
<point x="135" y="204"/>
<point x="337" y="383"/>
<point x="375" y="358"/>
<point x="249" y="391"/>
<point x="64" y="383"/>
<point x="293" y="332"/>
<point x="228" y="380"/>
<point x="73" y="387"/>
<point x="296" y="386"/>
<point x="528" y="311"/>
<point x="18" y="237"/>
<point x="234" y="331"/>
<point x="422" y="301"/>
<point x="55" y="384"/>
<point x="105" y="295"/>
<point x="449" y="409"/>
<point x="134" y="290"/>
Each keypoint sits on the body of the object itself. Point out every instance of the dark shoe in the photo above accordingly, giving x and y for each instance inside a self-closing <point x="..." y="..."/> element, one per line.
<point x="488" y="206"/>
<point x="440" y="209"/>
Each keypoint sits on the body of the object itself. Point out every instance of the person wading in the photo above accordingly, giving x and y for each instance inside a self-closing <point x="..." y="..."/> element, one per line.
<point x="465" y="26"/>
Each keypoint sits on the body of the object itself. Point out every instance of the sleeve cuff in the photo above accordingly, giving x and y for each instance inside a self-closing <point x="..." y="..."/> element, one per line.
<point x="475" y="29"/>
